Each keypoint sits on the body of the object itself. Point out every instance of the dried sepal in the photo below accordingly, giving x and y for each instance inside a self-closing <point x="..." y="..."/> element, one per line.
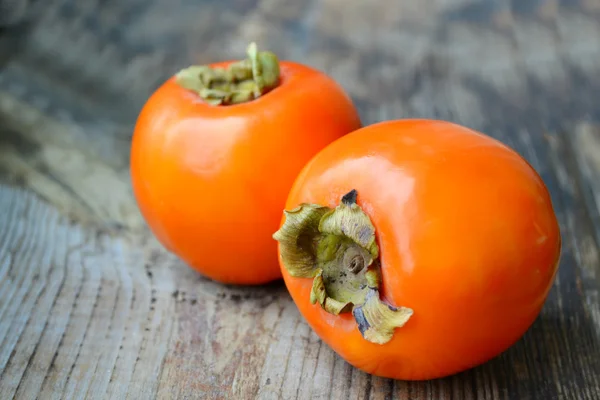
<point x="191" y="78"/>
<point x="298" y="237"/>
<point x="377" y="320"/>
<point x="337" y="248"/>
<point x="240" y="82"/>
<point x="349" y="220"/>
<point x="319" y="294"/>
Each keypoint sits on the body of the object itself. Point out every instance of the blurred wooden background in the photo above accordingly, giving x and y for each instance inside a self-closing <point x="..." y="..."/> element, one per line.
<point x="92" y="307"/>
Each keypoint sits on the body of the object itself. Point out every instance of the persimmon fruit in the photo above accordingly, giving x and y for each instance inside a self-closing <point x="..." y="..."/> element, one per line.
<point x="417" y="249"/>
<point x="215" y="151"/>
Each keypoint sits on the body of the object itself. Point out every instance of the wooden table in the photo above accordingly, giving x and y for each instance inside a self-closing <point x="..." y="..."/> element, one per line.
<point x="92" y="307"/>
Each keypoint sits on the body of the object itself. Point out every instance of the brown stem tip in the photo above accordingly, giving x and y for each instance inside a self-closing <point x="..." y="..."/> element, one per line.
<point x="240" y="82"/>
<point x="337" y="248"/>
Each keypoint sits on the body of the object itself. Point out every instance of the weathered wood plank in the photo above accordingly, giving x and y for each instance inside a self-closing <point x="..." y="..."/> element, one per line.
<point x="586" y="148"/>
<point x="91" y="306"/>
<point x="44" y="153"/>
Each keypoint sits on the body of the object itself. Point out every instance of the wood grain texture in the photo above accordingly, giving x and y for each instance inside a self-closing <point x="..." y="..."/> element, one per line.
<point x="93" y="315"/>
<point x="92" y="307"/>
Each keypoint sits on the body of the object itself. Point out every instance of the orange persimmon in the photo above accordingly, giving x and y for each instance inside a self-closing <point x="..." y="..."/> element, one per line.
<point x="215" y="151"/>
<point x="417" y="249"/>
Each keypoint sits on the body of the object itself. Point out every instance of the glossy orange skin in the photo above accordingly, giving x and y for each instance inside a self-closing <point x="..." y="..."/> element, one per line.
<point x="468" y="239"/>
<point x="211" y="181"/>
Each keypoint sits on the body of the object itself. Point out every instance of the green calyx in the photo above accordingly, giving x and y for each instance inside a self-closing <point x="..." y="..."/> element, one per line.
<point x="337" y="248"/>
<point x="240" y="82"/>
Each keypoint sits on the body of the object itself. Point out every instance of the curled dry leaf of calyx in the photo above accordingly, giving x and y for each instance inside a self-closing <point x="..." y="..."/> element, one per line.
<point x="337" y="248"/>
<point x="240" y="82"/>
